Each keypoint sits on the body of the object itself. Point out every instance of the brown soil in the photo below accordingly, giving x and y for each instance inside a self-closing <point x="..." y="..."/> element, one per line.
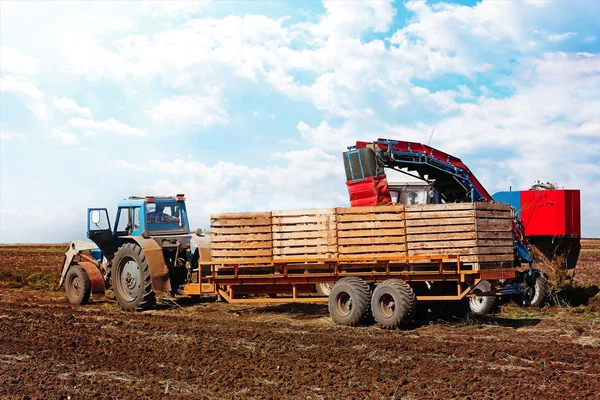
<point x="50" y="349"/>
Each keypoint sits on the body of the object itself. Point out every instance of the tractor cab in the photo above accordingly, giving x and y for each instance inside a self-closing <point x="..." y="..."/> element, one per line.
<point x="138" y="216"/>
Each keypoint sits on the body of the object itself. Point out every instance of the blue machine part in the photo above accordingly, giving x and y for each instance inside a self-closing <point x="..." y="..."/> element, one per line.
<point x="97" y="254"/>
<point x="512" y="198"/>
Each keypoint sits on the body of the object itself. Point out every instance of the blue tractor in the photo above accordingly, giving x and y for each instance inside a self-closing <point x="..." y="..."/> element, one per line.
<point x="149" y="250"/>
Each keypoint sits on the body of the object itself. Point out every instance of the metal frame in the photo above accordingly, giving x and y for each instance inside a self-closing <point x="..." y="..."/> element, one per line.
<point x="243" y="273"/>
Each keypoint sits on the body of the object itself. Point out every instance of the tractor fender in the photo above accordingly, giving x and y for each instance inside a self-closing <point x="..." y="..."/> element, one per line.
<point x="159" y="272"/>
<point x="96" y="278"/>
<point x="202" y="245"/>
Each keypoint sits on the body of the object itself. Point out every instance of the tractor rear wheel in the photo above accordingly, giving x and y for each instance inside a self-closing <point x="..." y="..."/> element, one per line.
<point x="349" y="301"/>
<point x="78" y="285"/>
<point x="482" y="305"/>
<point x="131" y="279"/>
<point x="393" y="304"/>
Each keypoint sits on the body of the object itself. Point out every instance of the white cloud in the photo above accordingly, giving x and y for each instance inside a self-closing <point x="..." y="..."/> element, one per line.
<point x="6" y="135"/>
<point x="69" y="106"/>
<point x="172" y="8"/>
<point x="13" y="61"/>
<point x="28" y="92"/>
<point x="67" y="137"/>
<point x="90" y="127"/>
<point x="191" y="111"/>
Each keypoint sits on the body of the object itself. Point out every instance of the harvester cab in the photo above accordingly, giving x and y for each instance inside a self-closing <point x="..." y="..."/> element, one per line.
<point x="150" y="249"/>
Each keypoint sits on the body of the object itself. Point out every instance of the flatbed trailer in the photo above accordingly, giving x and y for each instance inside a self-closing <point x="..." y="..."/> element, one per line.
<point x="428" y="283"/>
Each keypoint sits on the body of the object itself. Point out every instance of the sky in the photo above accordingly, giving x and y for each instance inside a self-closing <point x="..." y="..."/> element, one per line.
<point x="248" y="106"/>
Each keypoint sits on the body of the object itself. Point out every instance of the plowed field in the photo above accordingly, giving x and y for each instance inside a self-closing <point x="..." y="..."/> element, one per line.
<point x="50" y="349"/>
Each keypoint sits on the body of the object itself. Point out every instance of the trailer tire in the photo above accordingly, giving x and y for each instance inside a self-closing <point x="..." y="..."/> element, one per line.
<point x="538" y="290"/>
<point x="131" y="279"/>
<point x="393" y="304"/>
<point x="78" y="285"/>
<point x="323" y="289"/>
<point x="482" y="305"/>
<point x="349" y="301"/>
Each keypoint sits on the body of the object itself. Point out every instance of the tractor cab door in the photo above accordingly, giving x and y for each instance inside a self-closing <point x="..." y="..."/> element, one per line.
<point x="100" y="232"/>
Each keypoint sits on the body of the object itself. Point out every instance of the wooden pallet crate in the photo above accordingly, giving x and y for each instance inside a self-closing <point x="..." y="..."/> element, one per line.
<point x="480" y="232"/>
<point x="241" y="236"/>
<point x="371" y="231"/>
<point x="307" y="234"/>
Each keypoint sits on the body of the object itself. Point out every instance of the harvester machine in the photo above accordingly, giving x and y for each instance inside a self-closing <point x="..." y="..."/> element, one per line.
<point x="546" y="222"/>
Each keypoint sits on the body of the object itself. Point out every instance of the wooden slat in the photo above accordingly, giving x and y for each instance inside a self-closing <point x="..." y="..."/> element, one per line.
<point x="493" y="214"/>
<point x="439" y="214"/>
<point x="310" y="212"/>
<point x="240" y="237"/>
<point x="241" y="245"/>
<point x="303" y="234"/>
<point x="304" y="250"/>
<point x="240" y="230"/>
<point x="383" y="249"/>
<point x="422" y="237"/>
<point x="370" y="217"/>
<point x="304" y="219"/>
<point x="444" y="221"/>
<point x="331" y="241"/>
<point x="441" y="244"/>
<point x="371" y="240"/>
<point x="241" y="253"/>
<point x="412" y="230"/>
<point x="370" y="232"/>
<point x="370" y="225"/>
<point x="240" y="222"/>
<point x="246" y="215"/>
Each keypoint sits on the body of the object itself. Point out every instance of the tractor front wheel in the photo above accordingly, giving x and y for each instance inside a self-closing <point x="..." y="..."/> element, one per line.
<point x="131" y="279"/>
<point x="78" y="285"/>
<point x="536" y="292"/>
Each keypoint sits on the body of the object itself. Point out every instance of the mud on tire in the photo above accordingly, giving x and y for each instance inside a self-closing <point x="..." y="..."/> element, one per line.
<point x="393" y="304"/>
<point x="131" y="279"/>
<point x="349" y="301"/>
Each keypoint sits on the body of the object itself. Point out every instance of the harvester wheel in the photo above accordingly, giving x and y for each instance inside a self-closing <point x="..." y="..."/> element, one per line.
<point x="78" y="285"/>
<point x="537" y="290"/>
<point x="131" y="280"/>
<point x="349" y="301"/>
<point x="393" y="304"/>
<point x="482" y="305"/>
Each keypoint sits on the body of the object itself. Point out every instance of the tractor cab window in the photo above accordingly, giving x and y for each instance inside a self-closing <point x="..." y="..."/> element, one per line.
<point x="162" y="217"/>
<point x="124" y="222"/>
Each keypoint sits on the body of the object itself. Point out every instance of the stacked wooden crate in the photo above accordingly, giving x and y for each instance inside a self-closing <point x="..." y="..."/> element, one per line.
<point x="241" y="236"/>
<point x="371" y="231"/>
<point x="479" y="232"/>
<point x="304" y="234"/>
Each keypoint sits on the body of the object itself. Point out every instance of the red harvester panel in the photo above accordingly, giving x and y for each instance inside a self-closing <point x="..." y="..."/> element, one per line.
<point x="551" y="212"/>
<point x="371" y="191"/>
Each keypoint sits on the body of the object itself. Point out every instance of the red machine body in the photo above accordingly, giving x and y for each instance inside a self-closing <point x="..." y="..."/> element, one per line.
<point x="551" y="212"/>
<point x="371" y="191"/>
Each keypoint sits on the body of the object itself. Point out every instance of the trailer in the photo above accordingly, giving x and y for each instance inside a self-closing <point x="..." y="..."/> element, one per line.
<point x="386" y="261"/>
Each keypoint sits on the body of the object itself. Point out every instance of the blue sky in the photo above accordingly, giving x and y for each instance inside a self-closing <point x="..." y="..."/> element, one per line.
<point x="248" y="105"/>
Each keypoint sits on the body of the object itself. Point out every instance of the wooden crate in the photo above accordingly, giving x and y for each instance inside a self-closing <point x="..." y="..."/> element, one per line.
<point x="480" y="232"/>
<point x="307" y="234"/>
<point x="241" y="236"/>
<point x="371" y="231"/>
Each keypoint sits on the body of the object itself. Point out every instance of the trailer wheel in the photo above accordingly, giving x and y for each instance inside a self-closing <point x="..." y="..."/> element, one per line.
<point x="131" y="280"/>
<point x="537" y="290"/>
<point x="78" y="285"/>
<point x="482" y="305"/>
<point x="349" y="301"/>
<point x="323" y="289"/>
<point x="393" y="304"/>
